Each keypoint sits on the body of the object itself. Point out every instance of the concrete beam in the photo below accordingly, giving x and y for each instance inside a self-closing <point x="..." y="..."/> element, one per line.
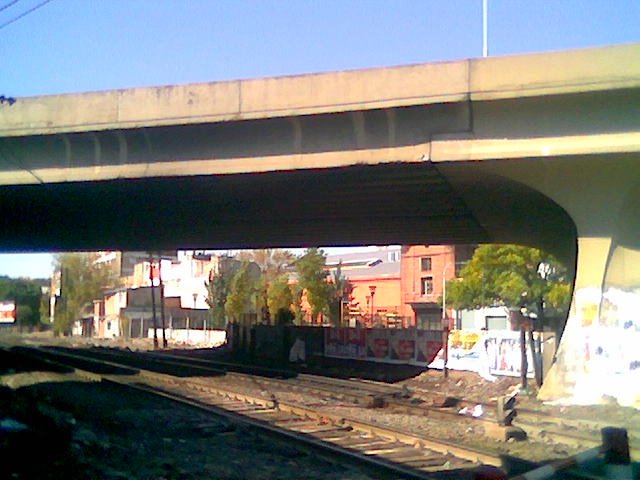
<point x="554" y="73"/>
<point x="217" y="166"/>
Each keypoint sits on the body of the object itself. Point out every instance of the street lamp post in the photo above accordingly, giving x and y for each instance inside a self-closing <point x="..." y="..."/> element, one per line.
<point x="372" y="289"/>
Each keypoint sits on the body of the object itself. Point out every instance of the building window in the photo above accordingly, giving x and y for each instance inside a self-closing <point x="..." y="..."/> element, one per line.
<point x="108" y="325"/>
<point x="393" y="256"/>
<point x="425" y="264"/>
<point x="429" y="321"/>
<point x="426" y="285"/>
<point x="495" y="322"/>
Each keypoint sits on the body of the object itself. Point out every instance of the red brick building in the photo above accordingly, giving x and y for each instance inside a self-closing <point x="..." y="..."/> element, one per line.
<point x="402" y="286"/>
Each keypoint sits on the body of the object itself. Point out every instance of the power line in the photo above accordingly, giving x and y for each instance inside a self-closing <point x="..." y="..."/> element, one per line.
<point x="13" y="2"/>
<point x="24" y="14"/>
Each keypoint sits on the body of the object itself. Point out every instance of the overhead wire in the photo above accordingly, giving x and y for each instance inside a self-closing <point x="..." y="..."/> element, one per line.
<point x="12" y="2"/>
<point x="23" y="14"/>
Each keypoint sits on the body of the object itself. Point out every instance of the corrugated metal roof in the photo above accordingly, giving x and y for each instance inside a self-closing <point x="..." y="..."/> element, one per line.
<point x="367" y="263"/>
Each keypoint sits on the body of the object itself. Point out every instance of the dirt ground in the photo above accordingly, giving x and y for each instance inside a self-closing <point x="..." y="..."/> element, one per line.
<point x="102" y="431"/>
<point x="87" y="430"/>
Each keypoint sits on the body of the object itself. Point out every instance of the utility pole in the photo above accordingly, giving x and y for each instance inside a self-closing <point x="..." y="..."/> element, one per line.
<point x="153" y="305"/>
<point x="164" y="334"/>
<point x="445" y="322"/>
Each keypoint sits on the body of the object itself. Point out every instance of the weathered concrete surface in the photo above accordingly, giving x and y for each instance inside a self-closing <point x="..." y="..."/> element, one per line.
<point x="423" y="84"/>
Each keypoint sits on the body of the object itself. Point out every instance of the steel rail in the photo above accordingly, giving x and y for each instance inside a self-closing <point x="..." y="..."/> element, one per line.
<point x="417" y="450"/>
<point x="569" y="431"/>
<point x="335" y="388"/>
<point x="379" y="395"/>
<point x="304" y="439"/>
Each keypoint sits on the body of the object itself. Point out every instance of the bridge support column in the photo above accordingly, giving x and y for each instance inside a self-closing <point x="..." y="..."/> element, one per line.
<point x="598" y="358"/>
<point x="599" y="355"/>
<point x="570" y="368"/>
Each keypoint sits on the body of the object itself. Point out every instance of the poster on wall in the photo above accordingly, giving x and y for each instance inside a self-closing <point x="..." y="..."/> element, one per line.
<point x="402" y="344"/>
<point x="502" y="350"/>
<point x="496" y="352"/>
<point x="428" y="343"/>
<point x="463" y="352"/>
<point x="345" y="342"/>
<point x="7" y="312"/>
<point x="611" y="345"/>
<point x="377" y="344"/>
<point x="411" y="346"/>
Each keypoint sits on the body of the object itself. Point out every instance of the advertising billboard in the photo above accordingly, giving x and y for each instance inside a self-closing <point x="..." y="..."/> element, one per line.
<point x="411" y="346"/>
<point x="345" y="343"/>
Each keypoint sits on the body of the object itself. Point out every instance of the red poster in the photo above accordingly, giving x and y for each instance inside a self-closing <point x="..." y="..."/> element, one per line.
<point x="344" y="342"/>
<point x="377" y="344"/>
<point x="402" y="344"/>
<point x="429" y="342"/>
<point x="7" y="312"/>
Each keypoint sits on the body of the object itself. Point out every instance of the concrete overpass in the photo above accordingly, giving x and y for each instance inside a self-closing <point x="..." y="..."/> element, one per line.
<point x="540" y="149"/>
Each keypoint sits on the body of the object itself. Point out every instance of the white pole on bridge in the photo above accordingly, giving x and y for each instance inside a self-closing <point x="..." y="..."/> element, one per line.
<point x="485" y="40"/>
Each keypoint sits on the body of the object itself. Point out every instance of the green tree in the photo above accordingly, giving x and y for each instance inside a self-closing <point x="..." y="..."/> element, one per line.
<point x="340" y="290"/>
<point x="83" y="280"/>
<point x="218" y="289"/>
<point x="27" y="295"/>
<point x="512" y="276"/>
<point x="242" y="292"/>
<point x="272" y="262"/>
<point x="298" y="313"/>
<point x="312" y="278"/>
<point x="279" y="296"/>
<point x="45" y="312"/>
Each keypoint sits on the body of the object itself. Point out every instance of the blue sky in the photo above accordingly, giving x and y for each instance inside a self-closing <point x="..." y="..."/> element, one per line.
<point x="84" y="45"/>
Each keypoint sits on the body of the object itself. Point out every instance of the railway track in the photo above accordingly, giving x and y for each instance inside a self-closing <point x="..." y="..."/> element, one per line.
<point x="359" y="393"/>
<point x="575" y="433"/>
<point x="408" y="455"/>
<point x="205" y="385"/>
<point x="580" y="433"/>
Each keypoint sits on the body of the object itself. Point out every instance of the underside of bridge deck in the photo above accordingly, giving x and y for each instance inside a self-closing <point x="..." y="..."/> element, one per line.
<point x="383" y="204"/>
